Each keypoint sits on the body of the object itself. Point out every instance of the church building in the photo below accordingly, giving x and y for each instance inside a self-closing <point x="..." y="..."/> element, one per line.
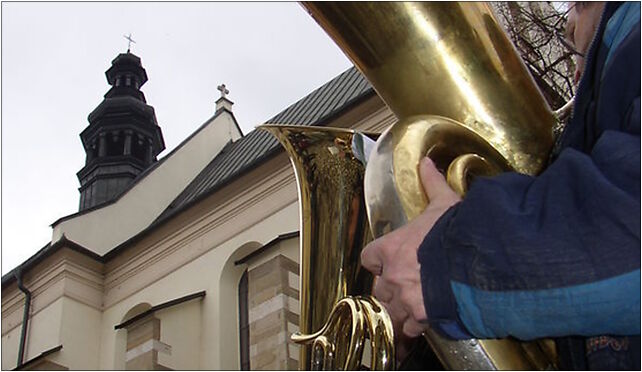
<point x="187" y="261"/>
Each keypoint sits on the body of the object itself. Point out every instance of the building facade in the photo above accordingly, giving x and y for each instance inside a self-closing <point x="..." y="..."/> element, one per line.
<point x="187" y="262"/>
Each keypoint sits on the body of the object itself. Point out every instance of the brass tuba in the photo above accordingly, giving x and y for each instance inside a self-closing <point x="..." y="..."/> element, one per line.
<point x="461" y="95"/>
<point x="338" y="321"/>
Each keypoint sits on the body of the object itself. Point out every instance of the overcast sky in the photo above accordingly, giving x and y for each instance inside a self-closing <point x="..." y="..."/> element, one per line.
<point x="54" y="57"/>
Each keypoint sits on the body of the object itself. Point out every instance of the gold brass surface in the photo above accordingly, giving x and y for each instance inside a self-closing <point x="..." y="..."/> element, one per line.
<point x="463" y="96"/>
<point x="334" y="321"/>
<point x="392" y="182"/>
<point x="339" y="345"/>
<point x="448" y="59"/>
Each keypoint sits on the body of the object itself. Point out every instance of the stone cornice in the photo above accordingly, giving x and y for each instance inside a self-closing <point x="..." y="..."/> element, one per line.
<point x="66" y="272"/>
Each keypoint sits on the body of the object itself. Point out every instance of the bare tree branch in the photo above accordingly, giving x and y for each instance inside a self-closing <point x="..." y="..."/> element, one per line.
<point x="533" y="28"/>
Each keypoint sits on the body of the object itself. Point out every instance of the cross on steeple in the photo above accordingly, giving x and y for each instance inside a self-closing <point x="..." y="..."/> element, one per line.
<point x="224" y="91"/>
<point x="129" y="41"/>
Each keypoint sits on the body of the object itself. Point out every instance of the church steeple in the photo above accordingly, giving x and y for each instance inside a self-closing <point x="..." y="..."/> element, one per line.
<point x="123" y="137"/>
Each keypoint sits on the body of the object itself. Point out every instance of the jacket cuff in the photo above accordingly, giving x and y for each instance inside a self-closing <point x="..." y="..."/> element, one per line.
<point x="439" y="301"/>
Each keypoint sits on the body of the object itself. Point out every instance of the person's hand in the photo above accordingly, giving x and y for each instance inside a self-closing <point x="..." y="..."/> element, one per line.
<point x="393" y="257"/>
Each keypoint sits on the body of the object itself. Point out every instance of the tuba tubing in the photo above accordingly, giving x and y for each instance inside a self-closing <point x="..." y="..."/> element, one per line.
<point x="462" y="96"/>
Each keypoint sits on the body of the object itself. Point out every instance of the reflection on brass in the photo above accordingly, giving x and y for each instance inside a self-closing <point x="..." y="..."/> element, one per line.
<point x="463" y="96"/>
<point x="339" y="345"/>
<point x="335" y="321"/>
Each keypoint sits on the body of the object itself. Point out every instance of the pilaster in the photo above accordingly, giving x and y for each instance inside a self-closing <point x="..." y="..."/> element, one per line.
<point x="143" y="345"/>
<point x="274" y="314"/>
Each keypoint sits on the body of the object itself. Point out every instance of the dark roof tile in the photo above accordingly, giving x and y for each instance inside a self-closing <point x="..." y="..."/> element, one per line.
<point x="318" y="107"/>
<point x="236" y="157"/>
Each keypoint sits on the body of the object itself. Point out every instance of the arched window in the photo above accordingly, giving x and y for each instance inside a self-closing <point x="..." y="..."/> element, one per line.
<point x="116" y="146"/>
<point x="230" y="286"/>
<point x="139" y="148"/>
<point x="120" y="358"/>
<point x="244" y="324"/>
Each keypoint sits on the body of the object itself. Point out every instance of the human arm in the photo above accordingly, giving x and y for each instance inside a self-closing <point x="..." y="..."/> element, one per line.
<point x="553" y="255"/>
<point x="571" y="234"/>
<point x="582" y="216"/>
<point x="523" y="256"/>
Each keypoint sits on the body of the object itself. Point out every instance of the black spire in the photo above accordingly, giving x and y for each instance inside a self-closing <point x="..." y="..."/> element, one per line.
<point x="123" y="137"/>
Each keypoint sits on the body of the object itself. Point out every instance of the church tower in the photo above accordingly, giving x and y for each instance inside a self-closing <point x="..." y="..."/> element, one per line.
<point x="123" y="137"/>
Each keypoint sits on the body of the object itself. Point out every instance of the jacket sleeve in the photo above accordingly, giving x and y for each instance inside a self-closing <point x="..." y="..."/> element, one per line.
<point x="553" y="255"/>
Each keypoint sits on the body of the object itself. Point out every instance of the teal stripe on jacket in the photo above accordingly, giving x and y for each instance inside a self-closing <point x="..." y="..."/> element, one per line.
<point x="620" y="25"/>
<point x="610" y="306"/>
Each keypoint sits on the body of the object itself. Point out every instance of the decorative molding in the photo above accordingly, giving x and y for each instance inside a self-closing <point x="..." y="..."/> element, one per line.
<point x="65" y="273"/>
<point x="12" y="314"/>
<point x="138" y="264"/>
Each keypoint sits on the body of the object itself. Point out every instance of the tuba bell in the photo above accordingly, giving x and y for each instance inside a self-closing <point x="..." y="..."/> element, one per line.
<point x="462" y="96"/>
<point x="338" y="322"/>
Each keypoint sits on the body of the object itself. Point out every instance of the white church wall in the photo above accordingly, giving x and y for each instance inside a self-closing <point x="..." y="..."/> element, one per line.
<point x="12" y="309"/>
<point x="211" y="223"/>
<point x="10" y="343"/>
<point x="181" y="331"/>
<point x="64" y="275"/>
<point x="218" y="342"/>
<point x="289" y="248"/>
<point x="44" y="330"/>
<point x="79" y="335"/>
<point x="221" y="347"/>
<point x="117" y="358"/>
<point x="105" y="228"/>
<point x="113" y="342"/>
<point x="64" y="322"/>
<point x="228" y="301"/>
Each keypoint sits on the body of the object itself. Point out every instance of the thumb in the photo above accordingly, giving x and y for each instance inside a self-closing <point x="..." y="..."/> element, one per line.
<point x="371" y="258"/>
<point x="434" y="183"/>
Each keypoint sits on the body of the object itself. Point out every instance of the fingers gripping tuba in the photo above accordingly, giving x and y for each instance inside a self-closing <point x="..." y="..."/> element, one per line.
<point x="461" y="95"/>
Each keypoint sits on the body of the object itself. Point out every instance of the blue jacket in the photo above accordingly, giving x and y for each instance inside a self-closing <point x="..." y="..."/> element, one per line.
<point x="558" y="254"/>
